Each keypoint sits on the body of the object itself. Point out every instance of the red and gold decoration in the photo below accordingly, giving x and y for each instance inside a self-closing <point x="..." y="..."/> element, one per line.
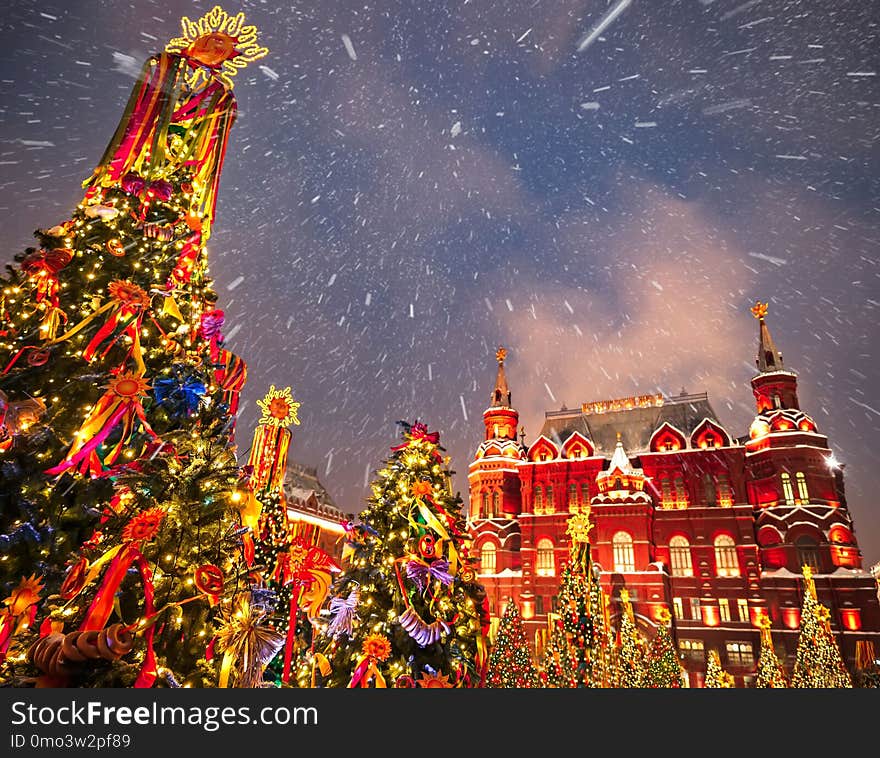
<point x="248" y="643"/>
<point x="435" y="681"/>
<point x="375" y="649"/>
<point x="120" y="406"/>
<point x="268" y="456"/>
<point x="60" y="655"/>
<point x="19" y="611"/>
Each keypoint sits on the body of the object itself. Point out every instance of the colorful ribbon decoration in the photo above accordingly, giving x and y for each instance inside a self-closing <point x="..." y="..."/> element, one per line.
<point x="161" y="102"/>
<point x="119" y="405"/>
<point x="20" y="611"/>
<point x="309" y="569"/>
<point x="376" y="647"/>
<point x="231" y="376"/>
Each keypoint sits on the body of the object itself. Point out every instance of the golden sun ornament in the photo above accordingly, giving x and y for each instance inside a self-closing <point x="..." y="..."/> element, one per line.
<point x="217" y="41"/>
<point x="376" y="646"/>
<point x="759" y="309"/>
<point x="435" y="680"/>
<point x="579" y="527"/>
<point x="279" y="408"/>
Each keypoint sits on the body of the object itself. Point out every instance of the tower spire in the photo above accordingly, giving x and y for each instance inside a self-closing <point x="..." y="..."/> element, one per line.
<point x="501" y="393"/>
<point x="769" y="358"/>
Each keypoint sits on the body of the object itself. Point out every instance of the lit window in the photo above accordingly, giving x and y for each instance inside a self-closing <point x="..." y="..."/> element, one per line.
<point x="496" y="504"/>
<point x="742" y="605"/>
<point x="724" y="609"/>
<point x="692" y="650"/>
<point x="725" y="494"/>
<point x="624" y="560"/>
<point x="787" y="491"/>
<point x="585" y="494"/>
<point x="696" y="613"/>
<point x="678" y="607"/>
<point x="544" y="565"/>
<point x="548" y="500"/>
<point x="484" y="505"/>
<point x="803" y="492"/>
<point x="680" y="556"/>
<point x="538" y="500"/>
<point x="539" y="604"/>
<point x="572" y="498"/>
<point x="488" y="554"/>
<point x="739" y="654"/>
<point x="666" y="498"/>
<point x="726" y="563"/>
<point x="681" y="496"/>
<point x="808" y="553"/>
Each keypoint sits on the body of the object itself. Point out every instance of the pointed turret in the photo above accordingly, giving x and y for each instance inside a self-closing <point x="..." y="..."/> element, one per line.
<point x="774" y="386"/>
<point x="500" y="418"/>
<point x="769" y="358"/>
<point x="501" y="393"/>
<point x="621" y="481"/>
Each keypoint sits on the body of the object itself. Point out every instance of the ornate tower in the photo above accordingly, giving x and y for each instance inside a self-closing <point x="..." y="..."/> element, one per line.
<point x="500" y="418"/>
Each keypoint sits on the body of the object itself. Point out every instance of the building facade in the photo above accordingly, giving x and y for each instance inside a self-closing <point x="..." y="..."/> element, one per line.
<point x="311" y="511"/>
<point x="688" y="517"/>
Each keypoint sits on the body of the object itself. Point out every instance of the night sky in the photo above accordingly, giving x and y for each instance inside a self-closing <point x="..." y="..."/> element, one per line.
<point x="410" y="184"/>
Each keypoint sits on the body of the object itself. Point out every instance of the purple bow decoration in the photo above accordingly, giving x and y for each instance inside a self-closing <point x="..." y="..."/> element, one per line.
<point x="133" y="183"/>
<point x="211" y="323"/>
<point x="342" y="609"/>
<point x="161" y="189"/>
<point x="423" y="573"/>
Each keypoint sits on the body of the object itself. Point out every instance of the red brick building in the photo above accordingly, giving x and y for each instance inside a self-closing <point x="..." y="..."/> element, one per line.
<point x="689" y="517"/>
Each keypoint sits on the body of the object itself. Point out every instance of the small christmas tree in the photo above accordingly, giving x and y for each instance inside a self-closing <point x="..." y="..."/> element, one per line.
<point x="664" y="668"/>
<point x="716" y="677"/>
<point x="769" y="671"/>
<point x="818" y="662"/>
<point x="558" y="665"/>
<point x="510" y="664"/>
<point x="630" y="655"/>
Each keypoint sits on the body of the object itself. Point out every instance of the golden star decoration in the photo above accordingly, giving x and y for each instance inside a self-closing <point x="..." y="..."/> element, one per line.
<point x="579" y="527"/>
<point x="500" y="354"/>
<point x="279" y="408"/>
<point x="624" y="595"/>
<point x="759" y="309"/>
<point x="764" y="621"/>
<point x="664" y="616"/>
<point x="823" y="614"/>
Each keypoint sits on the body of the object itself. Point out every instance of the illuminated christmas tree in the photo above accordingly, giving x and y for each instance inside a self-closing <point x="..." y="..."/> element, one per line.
<point x="769" y="672"/>
<point x="558" y="665"/>
<point x="630" y="647"/>
<point x="407" y="609"/>
<point x="818" y="662"/>
<point x="510" y="663"/>
<point x="117" y="397"/>
<point x="716" y="677"/>
<point x="664" y="668"/>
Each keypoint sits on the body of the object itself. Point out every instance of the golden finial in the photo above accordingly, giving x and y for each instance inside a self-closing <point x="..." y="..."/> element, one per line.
<point x="579" y="527"/>
<point x="279" y="408"/>
<point x="808" y="580"/>
<point x="664" y="616"/>
<point x="618" y="436"/>
<point x="219" y="42"/>
<point x="759" y="310"/>
<point x="624" y="595"/>
<point x="500" y="354"/>
<point x="764" y="621"/>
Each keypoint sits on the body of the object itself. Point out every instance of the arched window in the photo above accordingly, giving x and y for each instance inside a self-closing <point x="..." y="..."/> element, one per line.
<point x="496" y="504"/>
<point x="787" y="491"/>
<point x="624" y="560"/>
<point x="725" y="493"/>
<point x="726" y="563"/>
<point x="538" y="502"/>
<point x="709" y="489"/>
<point x="681" y="495"/>
<point x="803" y="492"/>
<point x="572" y="497"/>
<point x="585" y="494"/>
<point x="544" y="564"/>
<point x="680" y="556"/>
<point x="548" y="500"/>
<point x="807" y="553"/>
<point x="488" y="554"/>
<point x="484" y="505"/>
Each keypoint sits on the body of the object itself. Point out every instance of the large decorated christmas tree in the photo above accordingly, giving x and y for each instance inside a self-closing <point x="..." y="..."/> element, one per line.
<point x="630" y="647"/>
<point x="510" y="663"/>
<point x="118" y="480"/>
<point x="558" y="664"/>
<point x="407" y="610"/>
<point x="818" y="662"/>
